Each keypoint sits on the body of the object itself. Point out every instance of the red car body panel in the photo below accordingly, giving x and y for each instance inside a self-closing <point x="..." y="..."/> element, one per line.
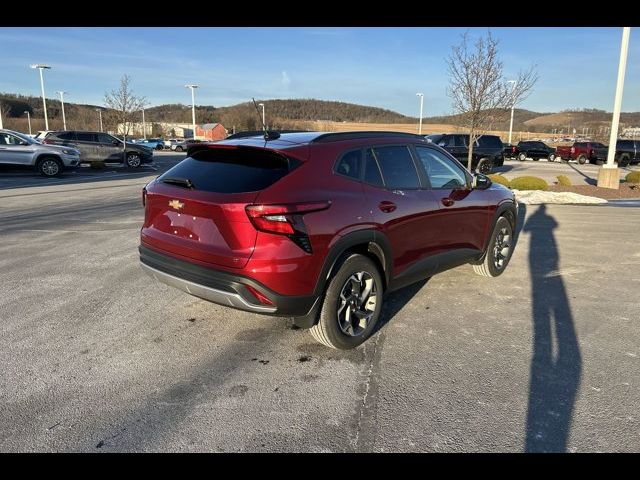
<point x="213" y="231"/>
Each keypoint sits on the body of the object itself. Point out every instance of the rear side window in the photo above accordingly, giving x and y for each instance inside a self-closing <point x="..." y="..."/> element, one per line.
<point x="231" y="170"/>
<point x="85" y="137"/>
<point x="349" y="164"/>
<point x="397" y="167"/>
<point x="490" y="141"/>
<point x="66" y="136"/>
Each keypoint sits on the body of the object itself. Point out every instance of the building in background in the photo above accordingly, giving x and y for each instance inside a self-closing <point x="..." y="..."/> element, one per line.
<point x="211" y="131"/>
<point x="631" y="132"/>
<point x="169" y="129"/>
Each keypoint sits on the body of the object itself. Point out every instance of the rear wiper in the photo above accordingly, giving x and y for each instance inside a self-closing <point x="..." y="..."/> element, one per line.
<point x="181" y="182"/>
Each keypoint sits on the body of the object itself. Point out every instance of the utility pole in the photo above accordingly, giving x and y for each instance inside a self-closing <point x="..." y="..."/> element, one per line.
<point x="609" y="174"/>
<point x="44" y="100"/>
<point x="513" y="104"/>
<point x="421" y="95"/>
<point x="100" y="113"/>
<point x="28" y="119"/>
<point x="193" y="106"/>
<point x="64" y="120"/>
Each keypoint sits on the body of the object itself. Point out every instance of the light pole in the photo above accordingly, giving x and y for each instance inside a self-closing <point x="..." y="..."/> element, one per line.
<point x="609" y="175"/>
<point x="44" y="101"/>
<point x="100" y="113"/>
<point x="193" y="107"/>
<point x="513" y="104"/>
<point x="263" y="121"/>
<point x="29" y="120"/>
<point x="144" y="125"/>
<point x="421" y="95"/>
<point x="64" y="120"/>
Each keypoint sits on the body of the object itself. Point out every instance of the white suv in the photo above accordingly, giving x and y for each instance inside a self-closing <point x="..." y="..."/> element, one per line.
<point x="49" y="160"/>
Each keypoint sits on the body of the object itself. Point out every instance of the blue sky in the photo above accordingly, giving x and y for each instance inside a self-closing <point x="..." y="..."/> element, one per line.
<point x="382" y="67"/>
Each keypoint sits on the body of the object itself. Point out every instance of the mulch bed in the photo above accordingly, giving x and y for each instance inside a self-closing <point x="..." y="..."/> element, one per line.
<point x="625" y="191"/>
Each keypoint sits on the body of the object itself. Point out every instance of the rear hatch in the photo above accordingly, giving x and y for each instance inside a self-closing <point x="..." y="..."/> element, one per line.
<point x="197" y="208"/>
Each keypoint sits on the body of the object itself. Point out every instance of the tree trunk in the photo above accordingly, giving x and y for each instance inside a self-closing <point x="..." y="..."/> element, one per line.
<point x="471" y="142"/>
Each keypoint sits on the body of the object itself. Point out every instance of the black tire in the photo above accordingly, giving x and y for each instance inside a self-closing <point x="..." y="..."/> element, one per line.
<point x="599" y="162"/>
<point x="551" y="157"/>
<point x="159" y="147"/>
<point x="522" y="156"/>
<point x="623" y="161"/>
<point x="485" y="165"/>
<point x="50" y="167"/>
<point x="493" y="264"/>
<point x="179" y="149"/>
<point x="582" y="159"/>
<point x="330" y="329"/>
<point x="132" y="160"/>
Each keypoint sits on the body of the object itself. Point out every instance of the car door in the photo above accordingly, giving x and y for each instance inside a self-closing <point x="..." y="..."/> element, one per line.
<point x="392" y="188"/>
<point x="463" y="213"/>
<point x="87" y="143"/>
<point x="110" y="148"/>
<point x="14" y="150"/>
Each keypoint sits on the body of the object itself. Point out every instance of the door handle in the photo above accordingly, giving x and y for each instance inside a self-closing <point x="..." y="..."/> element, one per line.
<point x="387" y="207"/>
<point x="447" y="202"/>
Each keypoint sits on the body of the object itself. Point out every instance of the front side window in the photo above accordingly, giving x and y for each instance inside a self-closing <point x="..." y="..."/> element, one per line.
<point x="349" y="164"/>
<point x="8" y="139"/>
<point x="397" y="167"/>
<point x="441" y="170"/>
<point x="104" y="138"/>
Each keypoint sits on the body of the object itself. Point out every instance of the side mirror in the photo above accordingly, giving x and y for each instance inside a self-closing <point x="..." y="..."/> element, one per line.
<point x="22" y="142"/>
<point x="480" y="182"/>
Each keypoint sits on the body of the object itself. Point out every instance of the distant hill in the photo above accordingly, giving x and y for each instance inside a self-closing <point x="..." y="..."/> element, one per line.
<point x="284" y="114"/>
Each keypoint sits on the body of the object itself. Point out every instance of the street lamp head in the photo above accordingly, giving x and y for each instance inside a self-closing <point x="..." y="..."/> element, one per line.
<point x="420" y="94"/>
<point x="261" y="104"/>
<point x="61" y="92"/>
<point x="40" y="65"/>
<point x="191" y="86"/>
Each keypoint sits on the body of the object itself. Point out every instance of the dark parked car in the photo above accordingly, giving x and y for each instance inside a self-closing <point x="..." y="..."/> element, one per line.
<point x="508" y="150"/>
<point x="99" y="146"/>
<point x="320" y="226"/>
<point x="627" y="152"/>
<point x="487" y="151"/>
<point x="154" y="143"/>
<point x="535" y="150"/>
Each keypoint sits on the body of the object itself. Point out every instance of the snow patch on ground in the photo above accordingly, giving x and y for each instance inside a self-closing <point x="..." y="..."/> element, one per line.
<point x="537" y="197"/>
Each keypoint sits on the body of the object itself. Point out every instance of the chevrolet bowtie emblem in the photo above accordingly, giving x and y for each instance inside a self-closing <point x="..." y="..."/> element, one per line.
<point x="176" y="204"/>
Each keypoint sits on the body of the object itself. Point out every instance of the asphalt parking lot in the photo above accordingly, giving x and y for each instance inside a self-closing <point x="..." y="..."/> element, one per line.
<point x="98" y="357"/>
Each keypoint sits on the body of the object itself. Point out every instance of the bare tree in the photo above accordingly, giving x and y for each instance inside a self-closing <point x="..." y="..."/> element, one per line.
<point x="477" y="86"/>
<point x="124" y="105"/>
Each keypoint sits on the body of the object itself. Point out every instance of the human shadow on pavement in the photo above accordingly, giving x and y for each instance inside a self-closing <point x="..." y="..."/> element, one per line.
<point x="556" y="364"/>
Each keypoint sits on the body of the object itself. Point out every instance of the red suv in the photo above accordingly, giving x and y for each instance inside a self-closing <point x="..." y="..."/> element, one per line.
<point x="320" y="226"/>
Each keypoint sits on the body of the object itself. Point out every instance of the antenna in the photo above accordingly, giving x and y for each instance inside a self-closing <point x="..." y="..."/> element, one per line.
<point x="264" y="127"/>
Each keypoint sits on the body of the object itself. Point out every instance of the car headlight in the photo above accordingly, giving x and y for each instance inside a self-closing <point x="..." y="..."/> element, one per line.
<point x="70" y="152"/>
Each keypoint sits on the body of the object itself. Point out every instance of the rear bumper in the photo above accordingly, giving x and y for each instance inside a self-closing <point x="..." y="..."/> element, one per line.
<point x="220" y="287"/>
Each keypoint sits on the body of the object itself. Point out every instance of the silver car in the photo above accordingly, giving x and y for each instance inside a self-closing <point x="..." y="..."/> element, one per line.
<point x="49" y="160"/>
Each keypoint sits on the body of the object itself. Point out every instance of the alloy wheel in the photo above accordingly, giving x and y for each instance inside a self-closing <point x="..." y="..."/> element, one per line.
<point x="501" y="247"/>
<point x="357" y="303"/>
<point x="50" y="168"/>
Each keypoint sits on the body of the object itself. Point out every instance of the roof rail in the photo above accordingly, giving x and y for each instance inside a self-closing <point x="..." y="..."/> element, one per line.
<point x="336" y="137"/>
<point x="259" y="133"/>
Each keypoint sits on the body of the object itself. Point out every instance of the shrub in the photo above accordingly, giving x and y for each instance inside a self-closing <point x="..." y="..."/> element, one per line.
<point x="528" y="183"/>
<point x="497" y="178"/>
<point x="633" y="177"/>
<point x="564" y="180"/>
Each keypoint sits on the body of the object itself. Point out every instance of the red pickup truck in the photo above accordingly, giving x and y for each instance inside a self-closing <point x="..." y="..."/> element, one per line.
<point x="580" y="151"/>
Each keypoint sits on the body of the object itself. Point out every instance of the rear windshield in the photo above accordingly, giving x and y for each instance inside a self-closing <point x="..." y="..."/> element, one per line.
<point x="231" y="171"/>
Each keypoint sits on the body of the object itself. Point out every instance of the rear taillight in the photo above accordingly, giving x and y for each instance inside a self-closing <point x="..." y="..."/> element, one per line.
<point x="573" y="149"/>
<point x="285" y="220"/>
<point x="144" y="197"/>
<point x="513" y="149"/>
